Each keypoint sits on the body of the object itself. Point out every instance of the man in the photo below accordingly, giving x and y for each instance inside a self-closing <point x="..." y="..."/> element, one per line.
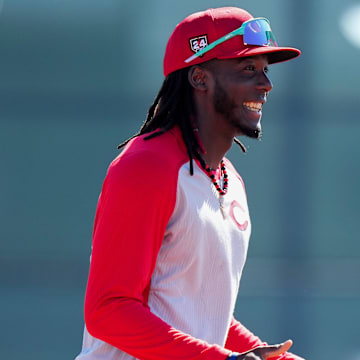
<point x="172" y="225"/>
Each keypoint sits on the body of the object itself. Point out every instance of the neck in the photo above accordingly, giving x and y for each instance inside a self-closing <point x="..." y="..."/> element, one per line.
<point x="215" y="142"/>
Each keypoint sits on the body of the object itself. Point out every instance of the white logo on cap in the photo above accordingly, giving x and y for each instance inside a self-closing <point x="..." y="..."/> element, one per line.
<point x="198" y="43"/>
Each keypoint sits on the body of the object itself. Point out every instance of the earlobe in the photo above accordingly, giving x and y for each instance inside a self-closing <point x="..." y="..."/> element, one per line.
<point x="198" y="78"/>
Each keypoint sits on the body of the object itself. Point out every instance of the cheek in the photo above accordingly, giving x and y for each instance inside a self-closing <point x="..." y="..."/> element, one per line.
<point x="238" y="93"/>
<point x="229" y="95"/>
<point x="237" y="99"/>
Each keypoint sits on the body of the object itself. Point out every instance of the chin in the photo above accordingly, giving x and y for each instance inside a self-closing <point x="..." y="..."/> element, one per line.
<point x="254" y="133"/>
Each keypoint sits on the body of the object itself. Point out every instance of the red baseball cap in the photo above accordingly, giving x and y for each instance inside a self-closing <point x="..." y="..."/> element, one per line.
<point x="203" y="28"/>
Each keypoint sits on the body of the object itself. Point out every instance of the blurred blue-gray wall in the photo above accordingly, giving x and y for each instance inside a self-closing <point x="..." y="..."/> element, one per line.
<point x="77" y="78"/>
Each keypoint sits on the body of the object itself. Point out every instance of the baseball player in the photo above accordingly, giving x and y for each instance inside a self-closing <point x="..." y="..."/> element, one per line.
<point x="172" y="225"/>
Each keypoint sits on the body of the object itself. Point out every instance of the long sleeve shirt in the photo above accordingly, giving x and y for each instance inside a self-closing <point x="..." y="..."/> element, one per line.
<point x="167" y="258"/>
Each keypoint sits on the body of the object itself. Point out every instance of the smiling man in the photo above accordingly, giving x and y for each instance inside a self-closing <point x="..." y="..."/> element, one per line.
<point x="172" y="225"/>
<point x="228" y="96"/>
<point x="241" y="89"/>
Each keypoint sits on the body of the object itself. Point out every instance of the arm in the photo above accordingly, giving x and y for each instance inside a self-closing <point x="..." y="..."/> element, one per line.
<point x="135" y="205"/>
<point x="241" y="340"/>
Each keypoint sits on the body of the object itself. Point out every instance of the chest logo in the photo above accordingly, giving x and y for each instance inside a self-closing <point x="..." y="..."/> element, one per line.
<point x="197" y="43"/>
<point x="239" y="215"/>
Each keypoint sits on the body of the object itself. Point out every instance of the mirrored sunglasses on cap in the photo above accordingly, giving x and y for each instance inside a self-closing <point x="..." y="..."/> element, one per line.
<point x="255" y="31"/>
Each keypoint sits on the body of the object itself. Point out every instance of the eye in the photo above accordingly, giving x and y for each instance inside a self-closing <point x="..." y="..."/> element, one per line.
<point x="250" y="67"/>
<point x="266" y="70"/>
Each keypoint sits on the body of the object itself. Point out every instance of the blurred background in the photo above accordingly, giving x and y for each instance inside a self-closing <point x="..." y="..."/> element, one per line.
<point x="77" y="78"/>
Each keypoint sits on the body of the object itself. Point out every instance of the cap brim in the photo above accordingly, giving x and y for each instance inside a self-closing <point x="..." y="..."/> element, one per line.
<point x="274" y="54"/>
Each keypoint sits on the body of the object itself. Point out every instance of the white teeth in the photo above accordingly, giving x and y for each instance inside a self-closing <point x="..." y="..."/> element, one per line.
<point x="253" y="106"/>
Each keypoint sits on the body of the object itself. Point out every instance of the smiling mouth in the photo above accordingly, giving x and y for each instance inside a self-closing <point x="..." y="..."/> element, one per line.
<point x="253" y="106"/>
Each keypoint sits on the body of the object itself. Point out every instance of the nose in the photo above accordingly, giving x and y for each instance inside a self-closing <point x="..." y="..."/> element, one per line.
<point x="264" y="83"/>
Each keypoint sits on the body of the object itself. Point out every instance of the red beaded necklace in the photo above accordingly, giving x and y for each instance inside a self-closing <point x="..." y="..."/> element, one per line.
<point x="211" y="174"/>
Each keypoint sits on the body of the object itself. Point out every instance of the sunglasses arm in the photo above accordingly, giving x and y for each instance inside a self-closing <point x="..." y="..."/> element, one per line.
<point x="207" y="48"/>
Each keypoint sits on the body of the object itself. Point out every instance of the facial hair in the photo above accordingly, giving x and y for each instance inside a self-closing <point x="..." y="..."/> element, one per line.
<point x="225" y="106"/>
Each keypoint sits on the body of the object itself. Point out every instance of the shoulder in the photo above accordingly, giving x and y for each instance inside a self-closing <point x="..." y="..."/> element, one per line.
<point x="155" y="161"/>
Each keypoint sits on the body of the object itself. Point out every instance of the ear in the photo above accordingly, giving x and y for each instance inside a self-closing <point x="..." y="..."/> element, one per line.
<point x="198" y="77"/>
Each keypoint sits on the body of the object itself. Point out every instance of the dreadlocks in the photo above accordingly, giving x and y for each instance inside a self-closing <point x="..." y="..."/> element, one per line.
<point x="172" y="106"/>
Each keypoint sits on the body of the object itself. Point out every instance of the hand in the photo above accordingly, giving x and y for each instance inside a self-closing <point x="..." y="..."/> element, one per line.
<point x="265" y="352"/>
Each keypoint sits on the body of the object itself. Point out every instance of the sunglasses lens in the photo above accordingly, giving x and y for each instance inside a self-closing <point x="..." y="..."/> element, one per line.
<point x="257" y="32"/>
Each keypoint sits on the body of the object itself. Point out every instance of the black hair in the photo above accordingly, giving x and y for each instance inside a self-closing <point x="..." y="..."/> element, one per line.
<point x="174" y="105"/>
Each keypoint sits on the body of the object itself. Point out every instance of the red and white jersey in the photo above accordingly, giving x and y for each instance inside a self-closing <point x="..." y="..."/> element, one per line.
<point x="168" y="254"/>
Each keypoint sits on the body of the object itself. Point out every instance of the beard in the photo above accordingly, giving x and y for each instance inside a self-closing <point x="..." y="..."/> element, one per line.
<point x="225" y="106"/>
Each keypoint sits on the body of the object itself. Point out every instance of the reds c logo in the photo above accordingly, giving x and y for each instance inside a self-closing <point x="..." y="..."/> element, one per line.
<point x="197" y="43"/>
<point x="239" y="215"/>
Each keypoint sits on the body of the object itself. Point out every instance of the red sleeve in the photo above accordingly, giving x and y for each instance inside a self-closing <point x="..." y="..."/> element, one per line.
<point x="240" y="339"/>
<point x="136" y="202"/>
